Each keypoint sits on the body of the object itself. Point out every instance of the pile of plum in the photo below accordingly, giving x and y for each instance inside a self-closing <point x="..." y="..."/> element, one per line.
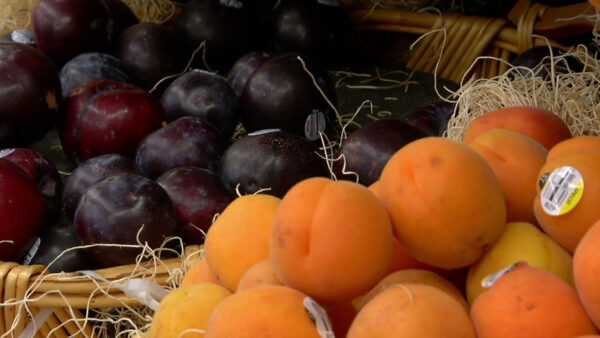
<point x="149" y="129"/>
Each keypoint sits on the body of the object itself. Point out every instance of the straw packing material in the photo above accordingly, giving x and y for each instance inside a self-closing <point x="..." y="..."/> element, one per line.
<point x="15" y="14"/>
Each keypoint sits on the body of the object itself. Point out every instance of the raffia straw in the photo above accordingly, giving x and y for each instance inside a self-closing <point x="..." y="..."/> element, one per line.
<point x="157" y="11"/>
<point x="15" y="14"/>
<point x="573" y="96"/>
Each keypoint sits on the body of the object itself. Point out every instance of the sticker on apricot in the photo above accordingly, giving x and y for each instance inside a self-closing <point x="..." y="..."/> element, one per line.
<point x="562" y="191"/>
<point x="490" y="280"/>
<point x="319" y="317"/>
<point x="314" y="125"/>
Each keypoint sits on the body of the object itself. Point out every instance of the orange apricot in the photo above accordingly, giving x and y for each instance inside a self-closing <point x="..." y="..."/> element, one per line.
<point x="200" y="273"/>
<point x="331" y="239"/>
<point x="444" y="200"/>
<point x="516" y="160"/>
<point x="263" y="311"/>
<point x="260" y="273"/>
<point x="567" y="203"/>
<point x="574" y="144"/>
<point x="239" y="238"/>
<point x="540" y="124"/>
<point x="530" y="302"/>
<point x="586" y="269"/>
<point x="412" y="310"/>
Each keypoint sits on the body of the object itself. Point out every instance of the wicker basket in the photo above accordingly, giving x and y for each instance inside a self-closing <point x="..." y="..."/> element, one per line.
<point x="68" y="293"/>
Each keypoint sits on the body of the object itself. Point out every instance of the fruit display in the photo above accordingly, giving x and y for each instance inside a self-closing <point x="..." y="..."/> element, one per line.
<point x="209" y="174"/>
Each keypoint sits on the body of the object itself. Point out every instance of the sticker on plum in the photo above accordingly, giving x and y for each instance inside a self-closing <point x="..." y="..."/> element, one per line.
<point x="264" y="131"/>
<point x="333" y="3"/>
<point x="314" y="125"/>
<point x="562" y="191"/>
<point x="32" y="251"/>
<point x="319" y="317"/>
<point x="490" y="280"/>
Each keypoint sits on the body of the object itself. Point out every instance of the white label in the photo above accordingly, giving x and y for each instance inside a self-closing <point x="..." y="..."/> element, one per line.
<point x="562" y="191"/>
<point x="319" y="317"/>
<point x="490" y="280"/>
<point x="23" y="36"/>
<point x="32" y="251"/>
<point x="333" y="3"/>
<point x="264" y="131"/>
<point x="6" y="152"/>
<point x="315" y="124"/>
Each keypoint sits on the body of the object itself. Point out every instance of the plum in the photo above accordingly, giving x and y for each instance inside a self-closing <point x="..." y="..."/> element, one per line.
<point x="91" y="172"/>
<point x="31" y="94"/>
<point x="23" y="211"/>
<point x="367" y="150"/>
<point x="66" y="28"/>
<point x="272" y="159"/>
<point x="108" y="117"/>
<point x="224" y="27"/>
<point x="117" y="210"/>
<point x="52" y="242"/>
<point x="243" y="68"/>
<point x="202" y="94"/>
<point x="535" y="56"/>
<point x="43" y="172"/>
<point x="87" y="67"/>
<point x="432" y="118"/>
<point x="149" y="52"/>
<point x="21" y="35"/>
<point x="187" y="141"/>
<point x="281" y="94"/>
<point x="197" y="195"/>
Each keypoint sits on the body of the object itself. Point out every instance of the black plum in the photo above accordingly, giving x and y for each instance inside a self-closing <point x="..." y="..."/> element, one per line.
<point x="197" y="195"/>
<point x="43" y="172"/>
<point x="367" y="150"/>
<point x="91" y="172"/>
<point x="202" y="94"/>
<point x="31" y="94"/>
<point x="281" y="94"/>
<point x="66" y="28"/>
<point x="188" y="141"/>
<point x="270" y="159"/>
<point x="149" y="52"/>
<point x="114" y="210"/>
<point x="535" y="56"/>
<point x="432" y="118"/>
<point x="243" y="68"/>
<point x="88" y="67"/>
<point x="53" y="241"/>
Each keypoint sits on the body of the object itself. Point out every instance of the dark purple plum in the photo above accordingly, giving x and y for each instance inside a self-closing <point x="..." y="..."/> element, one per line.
<point x="243" y="69"/>
<point x="91" y="172"/>
<point x="22" y="35"/>
<point x="197" y="195"/>
<point x="108" y="117"/>
<point x="202" y="94"/>
<point x="88" y="67"/>
<point x="186" y="142"/>
<point x="23" y="211"/>
<point x="31" y="95"/>
<point x="270" y="159"/>
<point x="432" y="118"/>
<point x="52" y="242"/>
<point x="43" y="172"/>
<point x="367" y="150"/>
<point x="121" y="15"/>
<point x="149" y="52"/>
<point x="114" y="210"/>
<point x="281" y="94"/>
<point x="224" y="27"/>
<point x="318" y="28"/>
<point x="535" y="56"/>
<point x="66" y="28"/>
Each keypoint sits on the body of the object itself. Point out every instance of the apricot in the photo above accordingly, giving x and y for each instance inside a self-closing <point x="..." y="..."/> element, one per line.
<point x="516" y="160"/>
<point x="239" y="238"/>
<point x="586" y="268"/>
<point x="412" y="276"/>
<point x="530" y="302"/>
<point x="186" y="308"/>
<point x="540" y="124"/>
<point x="331" y="239"/>
<point x="374" y="187"/>
<point x="200" y="273"/>
<point x="263" y="311"/>
<point x="412" y="310"/>
<point x="574" y="144"/>
<point x="568" y="202"/>
<point x="520" y="242"/>
<point x="260" y="273"/>
<point x="444" y="200"/>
